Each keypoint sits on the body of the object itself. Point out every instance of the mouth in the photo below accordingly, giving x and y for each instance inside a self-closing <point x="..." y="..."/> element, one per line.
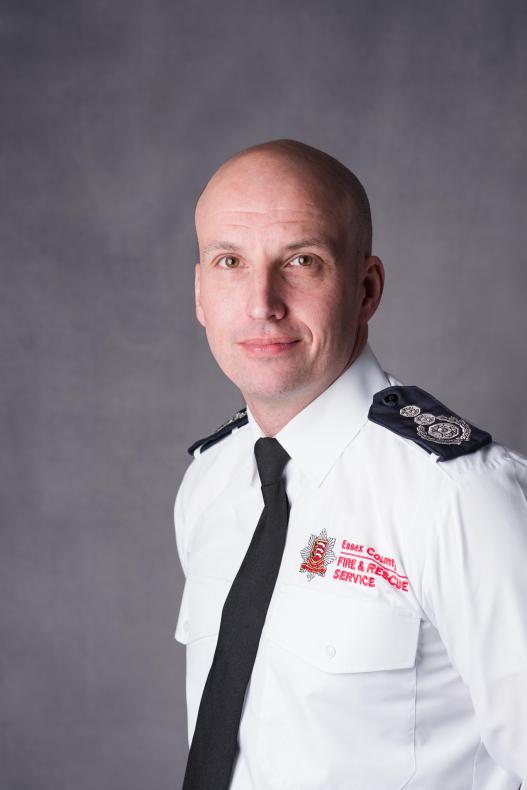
<point x="268" y="346"/>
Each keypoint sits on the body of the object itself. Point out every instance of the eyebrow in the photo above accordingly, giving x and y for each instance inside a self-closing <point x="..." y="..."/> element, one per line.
<point x="221" y="245"/>
<point x="311" y="241"/>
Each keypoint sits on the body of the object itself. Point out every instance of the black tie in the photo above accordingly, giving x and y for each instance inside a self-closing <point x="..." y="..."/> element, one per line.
<point x="215" y="742"/>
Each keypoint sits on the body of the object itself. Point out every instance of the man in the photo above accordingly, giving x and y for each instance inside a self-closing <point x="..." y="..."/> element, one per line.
<point x="374" y="614"/>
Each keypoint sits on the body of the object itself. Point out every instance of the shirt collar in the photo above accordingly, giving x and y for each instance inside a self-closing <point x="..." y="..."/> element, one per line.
<point x="317" y="435"/>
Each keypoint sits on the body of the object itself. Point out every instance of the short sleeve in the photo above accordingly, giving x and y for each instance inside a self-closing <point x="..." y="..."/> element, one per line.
<point x="475" y="593"/>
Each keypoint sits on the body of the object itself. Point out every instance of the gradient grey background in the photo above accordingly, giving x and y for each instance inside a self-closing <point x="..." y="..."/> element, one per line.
<point x="113" y="115"/>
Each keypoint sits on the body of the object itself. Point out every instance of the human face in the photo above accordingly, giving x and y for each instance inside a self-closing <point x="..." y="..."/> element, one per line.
<point x="278" y="286"/>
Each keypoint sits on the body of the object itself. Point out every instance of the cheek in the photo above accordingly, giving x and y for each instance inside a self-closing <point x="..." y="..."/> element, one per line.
<point x="218" y="326"/>
<point x="215" y="308"/>
<point x="326" y="315"/>
<point x="222" y="292"/>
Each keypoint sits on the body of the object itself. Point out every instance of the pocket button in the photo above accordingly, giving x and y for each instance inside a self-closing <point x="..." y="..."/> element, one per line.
<point x="330" y="651"/>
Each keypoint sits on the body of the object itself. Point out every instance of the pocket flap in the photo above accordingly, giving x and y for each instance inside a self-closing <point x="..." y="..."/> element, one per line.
<point x="343" y="634"/>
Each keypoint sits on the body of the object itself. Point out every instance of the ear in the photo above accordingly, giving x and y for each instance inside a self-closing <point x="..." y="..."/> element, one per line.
<point x="197" y="294"/>
<point x="372" y="287"/>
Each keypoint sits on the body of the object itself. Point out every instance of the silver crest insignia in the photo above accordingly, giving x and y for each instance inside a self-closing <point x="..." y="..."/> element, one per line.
<point x="441" y="430"/>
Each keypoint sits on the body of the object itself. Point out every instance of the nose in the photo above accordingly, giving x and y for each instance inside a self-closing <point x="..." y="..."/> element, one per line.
<point x="265" y="299"/>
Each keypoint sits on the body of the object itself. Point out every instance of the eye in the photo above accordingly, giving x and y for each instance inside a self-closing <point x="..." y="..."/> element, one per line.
<point x="229" y="262"/>
<point x="302" y="260"/>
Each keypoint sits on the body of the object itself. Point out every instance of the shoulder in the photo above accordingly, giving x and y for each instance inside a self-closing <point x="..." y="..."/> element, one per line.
<point x="423" y="430"/>
<point x="451" y="488"/>
<point x="217" y="461"/>
<point x="236" y="421"/>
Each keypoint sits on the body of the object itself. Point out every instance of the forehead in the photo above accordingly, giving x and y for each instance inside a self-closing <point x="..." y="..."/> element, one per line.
<point x="269" y="197"/>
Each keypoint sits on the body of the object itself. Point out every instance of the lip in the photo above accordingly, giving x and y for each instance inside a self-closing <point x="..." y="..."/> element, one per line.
<point x="268" y="346"/>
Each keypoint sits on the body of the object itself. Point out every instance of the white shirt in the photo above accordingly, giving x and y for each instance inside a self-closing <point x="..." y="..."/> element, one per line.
<point x="405" y="663"/>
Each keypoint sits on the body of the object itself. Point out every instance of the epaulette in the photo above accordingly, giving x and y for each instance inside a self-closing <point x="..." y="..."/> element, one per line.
<point x="236" y="421"/>
<point x="414" y="414"/>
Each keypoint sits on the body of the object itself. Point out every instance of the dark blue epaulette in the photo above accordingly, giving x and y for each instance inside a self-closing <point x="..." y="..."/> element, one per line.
<point x="414" y="414"/>
<point x="236" y="421"/>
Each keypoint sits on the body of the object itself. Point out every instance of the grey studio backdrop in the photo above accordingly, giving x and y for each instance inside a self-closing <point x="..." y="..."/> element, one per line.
<point x="113" y="115"/>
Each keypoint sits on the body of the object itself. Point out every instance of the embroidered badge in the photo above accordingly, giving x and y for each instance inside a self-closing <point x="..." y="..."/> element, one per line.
<point x="317" y="555"/>
<point x="441" y="429"/>
<point x="361" y="565"/>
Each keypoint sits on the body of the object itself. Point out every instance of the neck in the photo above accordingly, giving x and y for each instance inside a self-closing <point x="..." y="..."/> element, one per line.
<point x="272" y="416"/>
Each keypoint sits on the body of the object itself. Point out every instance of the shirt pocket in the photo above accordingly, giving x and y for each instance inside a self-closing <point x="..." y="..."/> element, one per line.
<point x="197" y="628"/>
<point x="338" y="634"/>
<point x="340" y="691"/>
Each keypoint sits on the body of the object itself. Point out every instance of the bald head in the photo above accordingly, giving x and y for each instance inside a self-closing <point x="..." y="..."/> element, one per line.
<point x="341" y="188"/>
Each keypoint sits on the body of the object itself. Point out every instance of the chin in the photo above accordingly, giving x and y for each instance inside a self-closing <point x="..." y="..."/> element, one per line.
<point x="271" y="379"/>
<point x="272" y="387"/>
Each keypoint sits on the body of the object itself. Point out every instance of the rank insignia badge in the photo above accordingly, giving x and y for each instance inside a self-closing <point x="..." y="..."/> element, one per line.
<point x="414" y="414"/>
<point x="317" y="555"/>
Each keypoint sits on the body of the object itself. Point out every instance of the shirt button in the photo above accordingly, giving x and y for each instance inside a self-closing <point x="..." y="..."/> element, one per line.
<point x="330" y="651"/>
<point x="186" y="626"/>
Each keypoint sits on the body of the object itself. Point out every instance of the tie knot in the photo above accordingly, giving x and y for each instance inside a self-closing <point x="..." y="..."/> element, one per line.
<point x="270" y="460"/>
